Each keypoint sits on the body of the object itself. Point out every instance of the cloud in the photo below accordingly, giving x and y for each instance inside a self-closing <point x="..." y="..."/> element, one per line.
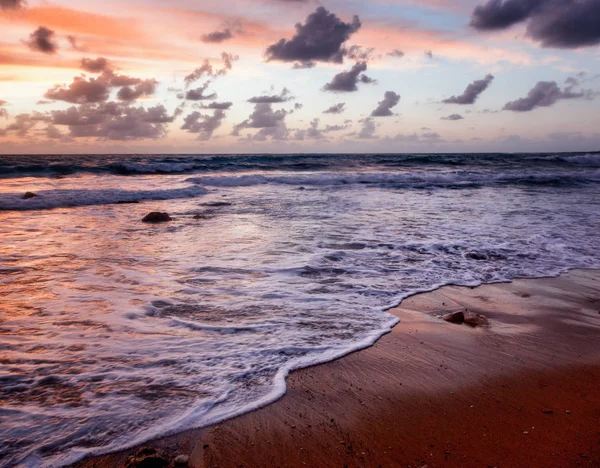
<point x="413" y="138"/>
<point x="207" y="70"/>
<point x="217" y="37"/>
<point x="553" y="23"/>
<point x="81" y="91"/>
<point x="271" y="124"/>
<point x="142" y="89"/>
<point x="384" y="107"/>
<point x="219" y="105"/>
<point x="203" y="124"/>
<point x="367" y="132"/>
<point x="543" y="94"/>
<point x="397" y="53"/>
<point x="97" y="65"/>
<point x="311" y="133"/>
<point x="429" y="54"/>
<point x="338" y="108"/>
<point x="284" y="96"/>
<point x="94" y="90"/>
<point x="42" y="40"/>
<point x="347" y="81"/>
<point x="12" y="4"/>
<point x="453" y="117"/>
<point x="359" y="53"/>
<point x="113" y="121"/>
<point x="472" y="92"/>
<point x="319" y="39"/>
<point x="198" y="93"/>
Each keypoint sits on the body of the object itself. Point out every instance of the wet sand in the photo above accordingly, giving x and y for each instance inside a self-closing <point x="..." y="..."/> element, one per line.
<point x="524" y="391"/>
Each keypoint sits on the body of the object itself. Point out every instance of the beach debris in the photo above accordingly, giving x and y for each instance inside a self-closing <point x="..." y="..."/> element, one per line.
<point x="156" y="217"/>
<point x="181" y="460"/>
<point x="547" y="411"/>
<point x="146" y="457"/>
<point x="568" y="412"/>
<point x="454" y="317"/>
<point x="29" y="195"/>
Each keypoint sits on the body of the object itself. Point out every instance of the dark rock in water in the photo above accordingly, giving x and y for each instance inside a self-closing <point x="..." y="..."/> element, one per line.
<point x="126" y="202"/>
<point x="146" y="457"/>
<point x="475" y="320"/>
<point x="301" y="188"/>
<point x="157" y="217"/>
<point x="475" y="256"/>
<point x="455" y="317"/>
<point x="29" y="195"/>
<point x="217" y="204"/>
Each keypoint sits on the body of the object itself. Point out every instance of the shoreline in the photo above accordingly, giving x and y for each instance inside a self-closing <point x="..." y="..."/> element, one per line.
<point x="540" y="330"/>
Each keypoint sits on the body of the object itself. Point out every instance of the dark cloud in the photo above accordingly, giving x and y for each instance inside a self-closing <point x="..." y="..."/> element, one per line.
<point x="97" y="65"/>
<point x="3" y="112"/>
<point x="338" y="108"/>
<point x="453" y="117"/>
<point x="113" y="121"/>
<point x="81" y="91"/>
<point x="429" y="54"/>
<point x="284" y="96"/>
<point x="218" y="105"/>
<point x="271" y="124"/>
<point x="396" y="53"/>
<point x="198" y="94"/>
<point x="216" y="37"/>
<point x="22" y="124"/>
<point x="384" y="106"/>
<point x="42" y="40"/>
<point x="97" y="89"/>
<point x="319" y="39"/>
<point x="472" y="92"/>
<point x="347" y="81"/>
<point x="203" y="124"/>
<point x="543" y="94"/>
<point x="553" y="23"/>
<point x="12" y="4"/>
<point x="207" y="70"/>
<point x="143" y="89"/>
<point x="500" y="14"/>
<point x="359" y="53"/>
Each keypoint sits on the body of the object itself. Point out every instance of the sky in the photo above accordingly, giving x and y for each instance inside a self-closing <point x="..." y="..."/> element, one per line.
<point x="294" y="76"/>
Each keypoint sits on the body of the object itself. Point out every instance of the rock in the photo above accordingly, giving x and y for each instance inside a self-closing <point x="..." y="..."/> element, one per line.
<point x="547" y="411"/>
<point x="217" y="204"/>
<point x="126" y="202"/>
<point x="29" y="195"/>
<point x="156" y="217"/>
<point x="181" y="460"/>
<point x="146" y="457"/>
<point x="455" y="317"/>
<point x="475" y="320"/>
<point x="475" y="256"/>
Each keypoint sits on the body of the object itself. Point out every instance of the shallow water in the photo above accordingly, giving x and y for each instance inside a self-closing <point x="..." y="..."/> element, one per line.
<point x="113" y="331"/>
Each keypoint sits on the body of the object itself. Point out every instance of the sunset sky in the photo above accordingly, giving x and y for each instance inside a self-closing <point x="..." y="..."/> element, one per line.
<point x="136" y="76"/>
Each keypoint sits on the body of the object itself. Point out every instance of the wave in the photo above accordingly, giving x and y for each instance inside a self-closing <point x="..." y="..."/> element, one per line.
<point x="403" y="180"/>
<point x="49" y="199"/>
<point x="131" y="165"/>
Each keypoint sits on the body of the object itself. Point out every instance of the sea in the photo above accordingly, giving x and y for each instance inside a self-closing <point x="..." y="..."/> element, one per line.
<point x="114" y="331"/>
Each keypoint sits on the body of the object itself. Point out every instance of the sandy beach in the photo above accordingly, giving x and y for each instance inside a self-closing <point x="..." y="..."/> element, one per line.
<point x="522" y="391"/>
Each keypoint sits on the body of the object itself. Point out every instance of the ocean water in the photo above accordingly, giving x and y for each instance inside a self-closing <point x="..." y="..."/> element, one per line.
<point x="113" y="331"/>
